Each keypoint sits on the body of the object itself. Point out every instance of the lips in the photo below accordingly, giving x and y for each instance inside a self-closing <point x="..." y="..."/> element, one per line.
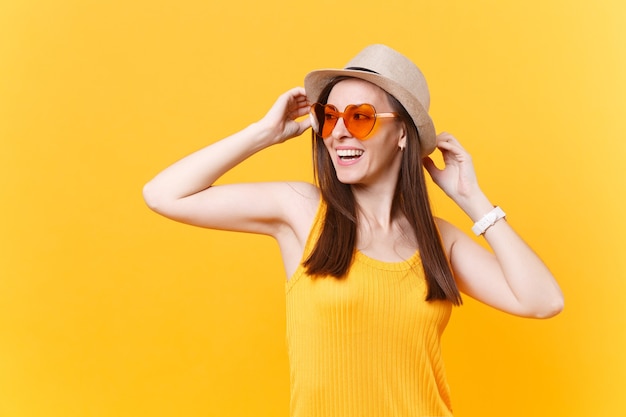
<point x="349" y="154"/>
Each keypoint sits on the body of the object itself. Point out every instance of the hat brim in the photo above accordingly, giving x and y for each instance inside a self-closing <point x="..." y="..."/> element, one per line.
<point x="316" y="81"/>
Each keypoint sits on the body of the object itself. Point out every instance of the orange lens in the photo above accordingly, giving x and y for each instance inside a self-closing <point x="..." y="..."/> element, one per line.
<point x="359" y="119"/>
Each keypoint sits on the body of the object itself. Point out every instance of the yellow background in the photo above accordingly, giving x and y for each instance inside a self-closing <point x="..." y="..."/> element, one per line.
<point x="106" y="309"/>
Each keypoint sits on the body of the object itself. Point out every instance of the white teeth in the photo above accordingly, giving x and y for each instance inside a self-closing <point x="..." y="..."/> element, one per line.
<point x="349" y="152"/>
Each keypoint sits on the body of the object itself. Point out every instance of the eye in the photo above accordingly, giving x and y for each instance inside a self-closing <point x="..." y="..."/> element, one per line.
<point x="330" y="116"/>
<point x="361" y="116"/>
<point x="330" y="112"/>
<point x="362" y="112"/>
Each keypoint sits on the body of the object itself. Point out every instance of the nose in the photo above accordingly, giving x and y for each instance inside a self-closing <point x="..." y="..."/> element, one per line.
<point x="340" y="131"/>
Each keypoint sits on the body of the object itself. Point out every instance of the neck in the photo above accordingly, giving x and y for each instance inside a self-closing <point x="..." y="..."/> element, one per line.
<point x="374" y="205"/>
<point x="381" y="233"/>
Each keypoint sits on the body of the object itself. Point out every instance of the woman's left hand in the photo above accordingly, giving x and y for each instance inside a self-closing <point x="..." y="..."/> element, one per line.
<point x="457" y="178"/>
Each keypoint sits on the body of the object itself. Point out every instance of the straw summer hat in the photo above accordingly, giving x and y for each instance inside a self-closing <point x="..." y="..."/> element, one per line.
<point x="394" y="73"/>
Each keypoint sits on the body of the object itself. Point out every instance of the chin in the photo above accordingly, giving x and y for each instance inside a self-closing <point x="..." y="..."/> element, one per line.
<point x="348" y="178"/>
<point x="347" y="181"/>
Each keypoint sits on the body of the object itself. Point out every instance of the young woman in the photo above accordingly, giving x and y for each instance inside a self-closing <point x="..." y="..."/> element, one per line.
<point x="371" y="274"/>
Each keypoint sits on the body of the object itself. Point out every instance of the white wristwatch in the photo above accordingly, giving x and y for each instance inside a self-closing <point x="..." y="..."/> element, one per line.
<point x="488" y="220"/>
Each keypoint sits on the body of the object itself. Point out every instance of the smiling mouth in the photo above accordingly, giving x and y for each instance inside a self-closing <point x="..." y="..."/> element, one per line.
<point x="349" y="154"/>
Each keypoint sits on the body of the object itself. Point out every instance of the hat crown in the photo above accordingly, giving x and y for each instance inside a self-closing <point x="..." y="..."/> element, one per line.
<point x="396" y="67"/>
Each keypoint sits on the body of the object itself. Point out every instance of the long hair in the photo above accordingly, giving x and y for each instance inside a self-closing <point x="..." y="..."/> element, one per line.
<point x="334" y="250"/>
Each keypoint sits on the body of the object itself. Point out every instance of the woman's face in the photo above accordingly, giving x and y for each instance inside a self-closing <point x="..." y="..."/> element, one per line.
<point x="375" y="160"/>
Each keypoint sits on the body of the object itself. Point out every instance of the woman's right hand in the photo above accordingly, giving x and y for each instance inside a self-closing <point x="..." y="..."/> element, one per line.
<point x="281" y="122"/>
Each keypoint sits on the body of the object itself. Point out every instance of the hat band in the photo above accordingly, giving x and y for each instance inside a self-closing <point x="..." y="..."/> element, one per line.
<point x="361" y="69"/>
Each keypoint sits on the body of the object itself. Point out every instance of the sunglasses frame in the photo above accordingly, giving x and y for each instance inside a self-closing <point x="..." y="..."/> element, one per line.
<point x="315" y="124"/>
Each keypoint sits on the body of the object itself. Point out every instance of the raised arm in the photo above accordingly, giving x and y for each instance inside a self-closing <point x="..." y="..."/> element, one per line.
<point x="512" y="278"/>
<point x="185" y="192"/>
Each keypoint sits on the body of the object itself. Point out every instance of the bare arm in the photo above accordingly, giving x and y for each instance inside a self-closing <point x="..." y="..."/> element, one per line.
<point x="185" y="192"/>
<point x="512" y="277"/>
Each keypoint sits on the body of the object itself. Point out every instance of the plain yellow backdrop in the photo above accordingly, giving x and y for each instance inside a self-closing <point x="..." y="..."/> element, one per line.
<point x="107" y="309"/>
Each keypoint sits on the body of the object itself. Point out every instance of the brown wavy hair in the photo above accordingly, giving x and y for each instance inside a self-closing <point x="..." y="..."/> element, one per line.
<point x="334" y="251"/>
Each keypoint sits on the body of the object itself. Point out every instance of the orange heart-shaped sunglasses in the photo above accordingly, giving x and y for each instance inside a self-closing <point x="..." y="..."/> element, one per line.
<point x="359" y="119"/>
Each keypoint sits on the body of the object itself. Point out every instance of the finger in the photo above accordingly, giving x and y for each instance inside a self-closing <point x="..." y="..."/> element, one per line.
<point x="301" y="99"/>
<point x="448" y="148"/>
<point x="300" y="105"/>
<point x="430" y="166"/>
<point x="304" y="124"/>
<point x="448" y="138"/>
<point x="451" y="147"/>
<point x="295" y="111"/>
<point x="296" y="92"/>
<point x="434" y="172"/>
<point x="298" y="127"/>
<point x="444" y="136"/>
<point x="295" y="97"/>
<point x="302" y="109"/>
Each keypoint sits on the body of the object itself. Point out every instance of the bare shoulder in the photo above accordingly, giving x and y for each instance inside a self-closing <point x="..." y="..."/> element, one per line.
<point x="306" y="190"/>
<point x="450" y="234"/>
<point x="302" y="203"/>
<point x="298" y="196"/>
